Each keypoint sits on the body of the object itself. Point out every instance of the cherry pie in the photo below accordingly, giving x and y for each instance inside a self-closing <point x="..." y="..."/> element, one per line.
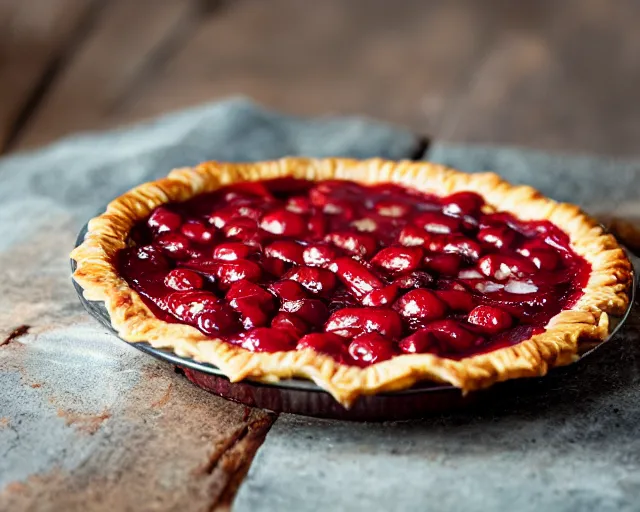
<point x="364" y="276"/>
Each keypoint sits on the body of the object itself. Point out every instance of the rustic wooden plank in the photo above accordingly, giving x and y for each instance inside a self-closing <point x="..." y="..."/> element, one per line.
<point x="162" y="445"/>
<point x="246" y="49"/>
<point x="504" y="73"/>
<point x="35" y="35"/>
<point x="125" y="38"/>
<point x="339" y="57"/>
<point x="538" y="73"/>
<point x="564" y="79"/>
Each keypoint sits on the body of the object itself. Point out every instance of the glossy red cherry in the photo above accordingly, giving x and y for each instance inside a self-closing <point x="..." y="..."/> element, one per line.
<point x="231" y="271"/>
<point x="452" y="284"/>
<point x="534" y="244"/>
<point x="218" y="320"/>
<point x="318" y="255"/>
<point x="465" y="247"/>
<point x="370" y="348"/>
<point x="365" y="225"/>
<point x="490" y="320"/>
<point x="339" y="208"/>
<point x="435" y="222"/>
<point x="419" y="342"/>
<point x="447" y="264"/>
<point x="543" y="255"/>
<point x="356" y="244"/>
<point x="462" y="203"/>
<point x="198" y="232"/>
<point x="148" y="259"/>
<point x="420" y="304"/>
<point x="325" y="343"/>
<point x="320" y="195"/>
<point x="415" y="279"/>
<point x="163" y="220"/>
<point x="341" y="298"/>
<point x="206" y="268"/>
<point x="499" y="237"/>
<point x="285" y="223"/>
<point x="545" y="260"/>
<point x="174" y="245"/>
<point x="293" y="323"/>
<point x="285" y="250"/>
<point x="457" y="300"/>
<point x="251" y="312"/>
<point x="551" y="234"/>
<point x="312" y="311"/>
<point x="452" y="336"/>
<point x="219" y="218"/>
<point x="241" y="228"/>
<point x="358" y="279"/>
<point x="186" y="306"/>
<point x="267" y="339"/>
<point x="256" y="189"/>
<point x="436" y="242"/>
<point x="247" y="191"/>
<point x="390" y="208"/>
<point x="523" y="306"/>
<point x="502" y="266"/>
<point x="316" y="280"/>
<point x="399" y="259"/>
<point x="317" y="226"/>
<point x="350" y="322"/>
<point x="299" y="204"/>
<point x="182" y="279"/>
<point x="381" y="297"/>
<point x="248" y="211"/>
<point x="274" y="266"/>
<point x="287" y="289"/>
<point x="196" y="254"/>
<point x="499" y="219"/>
<point x="231" y="251"/>
<point x="246" y="289"/>
<point x="411" y="236"/>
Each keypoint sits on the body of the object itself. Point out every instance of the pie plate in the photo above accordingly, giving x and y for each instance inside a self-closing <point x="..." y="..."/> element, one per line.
<point x="299" y="396"/>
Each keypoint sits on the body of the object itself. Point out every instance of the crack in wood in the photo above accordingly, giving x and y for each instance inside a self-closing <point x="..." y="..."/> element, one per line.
<point x="86" y="423"/>
<point x="424" y="142"/>
<point x="16" y="333"/>
<point x="230" y="462"/>
<point x="51" y="72"/>
<point x="162" y="401"/>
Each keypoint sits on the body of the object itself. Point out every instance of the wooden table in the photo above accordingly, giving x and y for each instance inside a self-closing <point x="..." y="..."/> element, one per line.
<point x="544" y="74"/>
<point x="539" y="73"/>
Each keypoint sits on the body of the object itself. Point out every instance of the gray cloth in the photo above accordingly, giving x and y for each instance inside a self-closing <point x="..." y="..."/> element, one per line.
<point x="571" y="445"/>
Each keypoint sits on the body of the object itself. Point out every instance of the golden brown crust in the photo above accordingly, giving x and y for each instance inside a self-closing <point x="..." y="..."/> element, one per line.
<point x="606" y="291"/>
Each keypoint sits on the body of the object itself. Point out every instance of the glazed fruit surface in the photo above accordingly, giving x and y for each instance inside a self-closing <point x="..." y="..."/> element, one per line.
<point x="362" y="273"/>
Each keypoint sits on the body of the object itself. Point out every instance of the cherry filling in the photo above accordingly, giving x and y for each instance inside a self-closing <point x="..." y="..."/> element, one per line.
<point x="362" y="273"/>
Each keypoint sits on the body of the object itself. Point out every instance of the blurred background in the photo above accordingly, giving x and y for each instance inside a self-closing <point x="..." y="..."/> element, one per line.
<point x="548" y="74"/>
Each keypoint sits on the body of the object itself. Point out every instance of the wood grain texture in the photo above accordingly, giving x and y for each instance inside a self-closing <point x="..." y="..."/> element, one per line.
<point x="546" y="74"/>
<point x="35" y="36"/>
<point x="106" y="67"/>
<point x="181" y="451"/>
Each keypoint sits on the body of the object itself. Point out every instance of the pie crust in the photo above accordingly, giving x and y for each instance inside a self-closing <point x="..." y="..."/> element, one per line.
<point x="606" y="292"/>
